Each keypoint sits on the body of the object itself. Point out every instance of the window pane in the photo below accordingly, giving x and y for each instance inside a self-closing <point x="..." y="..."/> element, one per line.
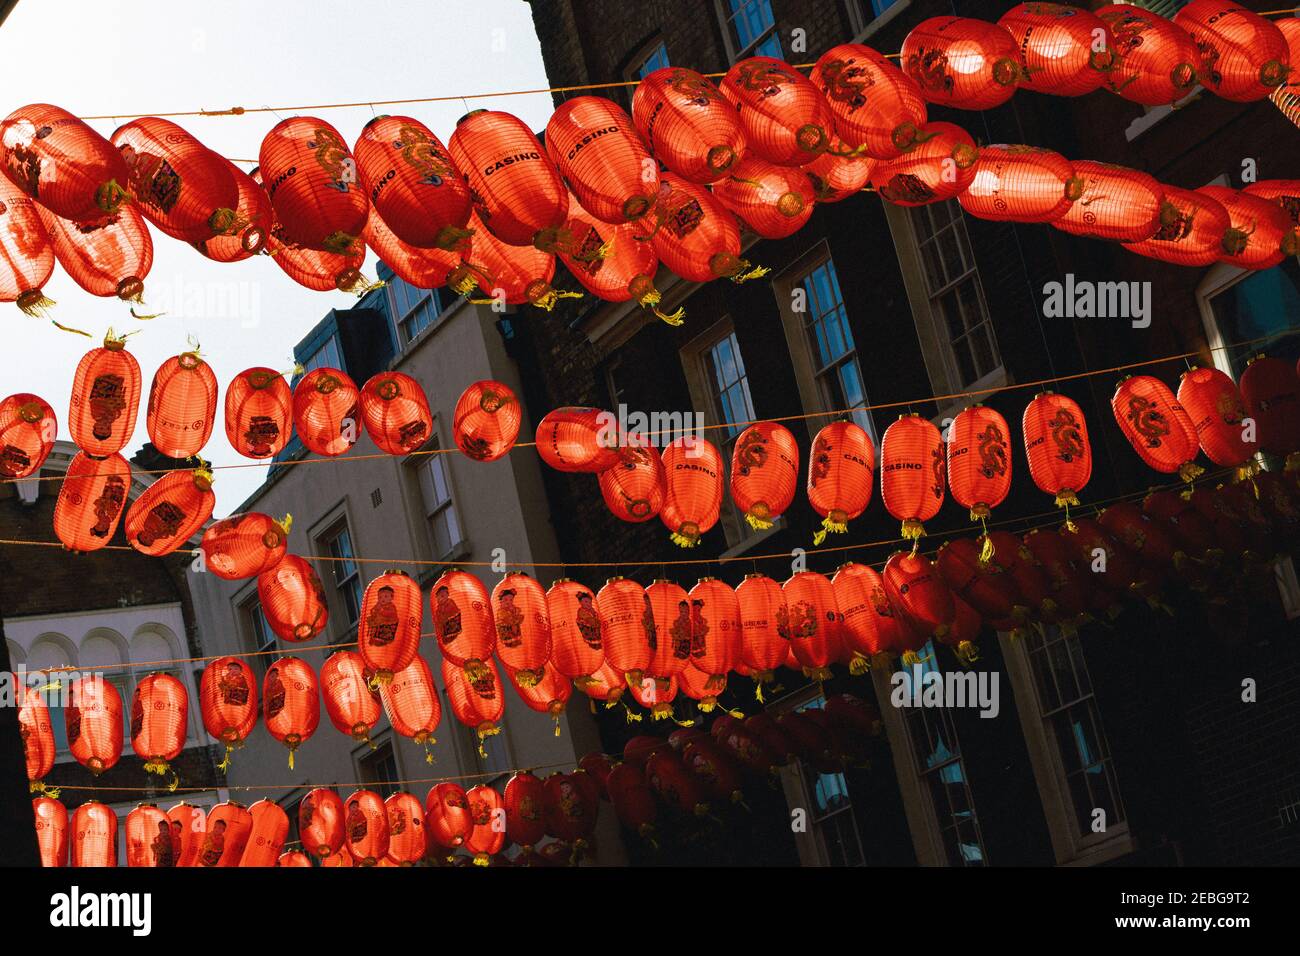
<point x="657" y="60"/>
<point x="1262" y="304"/>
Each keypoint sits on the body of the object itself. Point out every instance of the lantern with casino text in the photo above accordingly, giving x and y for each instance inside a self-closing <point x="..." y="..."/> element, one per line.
<point x="170" y="511"/>
<point x="396" y="413"/>
<point x="1243" y="57"/>
<point x="957" y="61"/>
<point x="634" y="489"/>
<point x="814" y="622"/>
<point x="576" y="439"/>
<point x="476" y="700"/>
<point x="266" y="836"/>
<point x="28" y="428"/>
<point x="577" y="649"/>
<point x="446" y="817"/>
<point x="693" y="489"/>
<point x="245" y="545"/>
<point x="388" y="629"/>
<point x="91" y="500"/>
<point x="1156" y="425"/>
<point x="1020" y="184"/>
<point x="320" y="822"/>
<point x="773" y="201"/>
<point x="1056" y="444"/>
<point x="51" y="818"/>
<point x="1066" y="50"/>
<point x="876" y="106"/>
<point x="1156" y="60"/>
<point x="247" y="234"/>
<point x="94" y="835"/>
<point x="62" y="163"/>
<point x="290" y="703"/>
<point x="1218" y="414"/>
<point x="411" y="702"/>
<point x="325" y="411"/>
<point x="488" y="814"/>
<point x="182" y="405"/>
<point x="628" y="628"/>
<point x="696" y="236"/>
<point x="764" y="473"/>
<point x="1193" y="234"/>
<point x="1270" y="388"/>
<point x="912" y="472"/>
<point x="979" y="460"/>
<point x="259" y="412"/>
<point x="486" y="420"/>
<point x="110" y="260"/>
<point x="870" y="628"/>
<point x="105" y="398"/>
<point x="594" y="146"/>
<point x="365" y="827"/>
<point x="312" y="182"/>
<point x="159" y="721"/>
<point x="462" y="619"/>
<point x="26" y="256"/>
<point x="1260" y="234"/>
<point x="1116" y="202"/>
<point x="841" y="472"/>
<point x="292" y="599"/>
<point x="785" y="117"/>
<point x="764" y="623"/>
<point x="523" y="623"/>
<point x="406" y="841"/>
<point x="688" y="124"/>
<point x="939" y="167"/>
<point x="93" y="720"/>
<point x="352" y="706"/>
<point x="37" y="734"/>
<point x="228" y="702"/>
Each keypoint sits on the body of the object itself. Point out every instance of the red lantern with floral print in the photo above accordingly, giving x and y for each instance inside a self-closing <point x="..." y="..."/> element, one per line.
<point x="577" y="649"/>
<point x="912" y="472"/>
<point x="447" y="821"/>
<point x="1260" y="234"/>
<point x="693" y="472"/>
<point x="37" y="735"/>
<point x="290" y="703"/>
<point x="476" y="698"/>
<point x="716" y="630"/>
<point x="635" y="488"/>
<point x="253" y="220"/>
<point x="407" y="844"/>
<point x="1218" y="414"/>
<point x="1156" y="60"/>
<point x="688" y="124"/>
<point x="90" y="501"/>
<point x="1116" y="202"/>
<point x="764" y="620"/>
<point x="105" y="398"/>
<point x="1066" y="50"/>
<point x="960" y="62"/>
<point x="159" y="721"/>
<point x="1020" y="184"/>
<point x="365" y="827"/>
<point x="94" y="835"/>
<point x="411" y="702"/>
<point x="918" y="593"/>
<point x="773" y="201"/>
<point x="979" y="460"/>
<point x="486" y="421"/>
<point x="326" y="411"/>
<point x="1156" y="425"/>
<point x="870" y="630"/>
<point x="523" y="625"/>
<point x="488" y="834"/>
<point x="764" y="473"/>
<point x="312" y="182"/>
<point x="396" y="413"/>
<point x="577" y="439"/>
<point x="320" y="822"/>
<point x="939" y="167"/>
<point x="462" y="618"/>
<point x="28" y="428"/>
<point x="814" y="620"/>
<point x="388" y="629"/>
<point x="26" y="255"/>
<point x="228" y="702"/>
<point x="292" y="599"/>
<point x="877" y="107"/>
<point x="1243" y="57"/>
<point x="524" y="801"/>
<point x="841" y="474"/>
<point x="1270" y="388"/>
<point x="1056" y="444"/>
<point x="353" y="707"/>
<point x="785" y="118"/>
<point x="267" y="834"/>
<point x="1192" y="235"/>
<point x="51" y="830"/>
<point x="593" y="144"/>
<point x="245" y="545"/>
<point x="93" y="720"/>
<point x="170" y="512"/>
<point x="112" y="259"/>
<point x="259" y="412"/>
<point x="696" y="236"/>
<point x="628" y="627"/>
<point x="182" y="405"/>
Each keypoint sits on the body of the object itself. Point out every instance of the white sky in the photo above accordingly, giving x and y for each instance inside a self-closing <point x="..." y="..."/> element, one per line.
<point x="96" y="57"/>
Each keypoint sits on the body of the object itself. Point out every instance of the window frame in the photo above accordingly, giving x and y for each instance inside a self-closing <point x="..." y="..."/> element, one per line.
<point x="731" y="36"/>
<point x="432" y="453"/>
<point x="339" y="521"/>
<point x="861" y="26"/>
<point x="422" y="299"/>
<point x="248" y="608"/>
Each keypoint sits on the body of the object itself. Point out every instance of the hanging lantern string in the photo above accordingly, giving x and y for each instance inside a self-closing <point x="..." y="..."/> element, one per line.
<point x="832" y="413"/>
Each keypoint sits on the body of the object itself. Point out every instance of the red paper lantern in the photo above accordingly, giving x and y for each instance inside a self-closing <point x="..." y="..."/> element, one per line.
<point x="294" y="858"/>
<point x="876" y="106"/>
<point x="656" y="694"/>
<point x="51" y="831"/>
<point x="26" y="255"/>
<point x="1021" y="184"/>
<point x="94" y="835"/>
<point x="365" y="824"/>
<point x="1155" y="60"/>
<point x="577" y="650"/>
<point x="62" y="163"/>
<point x="1283" y="192"/>
<point x="841" y="472"/>
<point x="159" y="721"/>
<point x="1114" y="567"/>
<point x="320" y="822"/>
<point x="488" y="835"/>
<point x="396" y="412"/>
<point x="1194" y="534"/>
<point x="696" y="236"/>
<point x="632" y="798"/>
<point x="1271" y="390"/>
<point x="815" y="623"/>
<point x="546" y="691"/>
<point x="447" y="820"/>
<point x="292" y="599"/>
<point x="571" y="801"/>
<point x="764" y="473"/>
<point x="105" y="398"/>
<point x="785" y="118"/>
<point x="1243" y="57"/>
<point x="517" y="191"/>
<point x="513" y="275"/>
<point x="178" y="184"/>
<point x="1068" y="590"/>
<point x="1056" y="444"/>
<point x="148" y="837"/>
<point x="316" y="270"/>
<point x="476" y="699"/>
<point x="912" y="472"/>
<point x="835" y="177"/>
<point x="290" y="703"/>
<point x="674" y="624"/>
<point x="523" y="624"/>
<point x="407" y="844"/>
<point x="870" y="629"/>
<point x="604" y="684"/>
<point x="593" y="144"/>
<point x="413" y="185"/>
<point x="524" y="801"/>
<point x="170" y="512"/>
<point x="576" y="439"/>
<point x="340" y="859"/>
<point x="612" y="263"/>
<point x="486" y="421"/>
<point x="1009" y="557"/>
<point x="182" y="405"/>
<point x="312" y="182"/>
<point x="411" y="702"/>
<point x="764" y="624"/>
<point x="90" y="501"/>
<point x="266" y="836"/>
<point x="960" y="62"/>
<point x="1116" y="202"/>
<point x="93" y="721"/>
<point x="979" y="460"/>
<point x="253" y="220"/>
<point x="628" y="627"/>
<point x="1067" y="51"/>
<point x="259" y="413"/>
<point x="1156" y="425"/>
<point x="693" y="489"/>
<point x="388" y="632"/>
<point x="1260" y="234"/>
<point x="1193" y="235"/>
<point x="677" y="787"/>
<point x="1218" y="413"/>
<point x="979" y="582"/>
<point x="37" y="735"/>
<point x="773" y="201"/>
<point x="715" y="770"/>
<point x="422" y="268"/>
<point x="462" y="619"/>
<point x="353" y="707"/>
<point x="189" y="826"/>
<point x="1153" y="545"/>
<point x="939" y="167"/>
<point x="109" y="260"/>
<point x="325" y="411"/>
<point x="688" y="124"/>
<point x="245" y="545"/>
<point x="716" y="631"/>
<point x="228" y="702"/>
<point x="28" y="428"/>
<point x="917" y="591"/>
<point x="635" y="488"/>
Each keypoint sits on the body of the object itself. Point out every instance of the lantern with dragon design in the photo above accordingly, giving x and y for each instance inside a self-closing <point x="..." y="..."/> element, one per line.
<point x="912" y="472"/>
<point x="1260" y="234"/>
<point x="635" y="488"/>
<point x="1156" y="425"/>
<point x="979" y="460"/>
<point x="688" y="124"/>
<point x="1066" y="50"/>
<point x="1156" y="59"/>
<point x="1192" y="234"/>
<point x="764" y="473"/>
<point x="1243" y="57"/>
<point x="877" y="107"/>
<point x="841" y="473"/>
<point x="785" y="117"/>
<point x="960" y="62"/>
<point x="1056" y="444"/>
<point x="311" y="179"/>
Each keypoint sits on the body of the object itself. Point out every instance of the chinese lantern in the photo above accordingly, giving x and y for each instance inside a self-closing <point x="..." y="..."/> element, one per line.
<point x="353" y="707"/>
<point x="1232" y="534"/>
<point x="672" y="783"/>
<point x="1010" y="559"/>
<point x="244" y="545"/>
<point x="1218" y="412"/>
<point x="876" y="106"/>
<point x="488" y="834"/>
<point x="414" y="187"/>
<point x="1020" y="184"/>
<point x="939" y="167"/>
<point x="1150" y="543"/>
<point x="148" y="837"/>
<point x="325" y="411"/>
<point x="226" y="835"/>
<point x="112" y="259"/>
<point x="290" y="703"/>
<point x="320" y="822"/>
<point x="696" y="236"/>
<point x="593" y="144"/>
<point x="422" y="268"/>
<point x="576" y="647"/>
<point x="715" y="630"/>
<point x="575" y="439"/>
<point x="1155" y="60"/>
<point x="406" y="841"/>
<point x="447" y="820"/>
<point x="814" y="622"/>
<point x="571" y="802"/>
<point x="1067" y="51"/>
<point x="1116" y="202"/>
<point x="517" y="191"/>
<point x="228" y="702"/>
<point x="957" y="61"/>
<point x="476" y="700"/>
<point x="462" y="619"/>
<point x="547" y="692"/>
<point x="1192" y="235"/>
<point x="62" y="163"/>
<point x="835" y="177"/>
<point x="1285" y="97"/>
<point x="1067" y="588"/>
<point x="764" y="473"/>
<point x="918" y="593"/>
<point x="170" y="511"/>
<point x="37" y="735"/>
<point x="785" y="118"/>
<point x="674" y="622"/>
<point x="1112" y="564"/>
<point x="978" y="582"/>
<point x="93" y="719"/>
<point x="293" y="858"/>
<point x="715" y="770"/>
<point x="259" y="412"/>
<point x="411" y="702"/>
<point x="292" y="599"/>
<point x="692" y="489"/>
<point x="523" y="624"/>
<point x="266" y="836"/>
<point x="1271" y="390"/>
<point x="340" y="859"/>
<point x="105" y="398"/>
<point x="94" y="835"/>
<point x="524" y="804"/>
<point x="365" y="822"/>
<point x="247" y="234"/>
<point x="1056" y="444"/>
<point x="1156" y="425"/>
<point x="1243" y="57"/>
<point x="388" y="632"/>
<point x="912" y="472"/>
<point x="189" y="825"/>
<point x="979" y="460"/>
<point x="316" y="270"/>
<point x="635" y="488"/>
<point x="773" y="201"/>
<point x="517" y="275"/>
<point x="869" y="629"/>
<point x="486" y="421"/>
<point x="656" y="694"/>
<point x="396" y="413"/>
<point x="90" y="501"/>
<point x="841" y="472"/>
<point x="26" y="256"/>
<point x="604" y="684"/>
<point x="1282" y="192"/>
<point x="51" y="831"/>
<point x="966" y="627"/>
<point x="688" y="124"/>
<point x="159" y="721"/>
<point x="28" y="428"/>
<point x="312" y="182"/>
<point x="1260" y="234"/>
<point x="628" y="627"/>
<point x="633" y="800"/>
<point x="1193" y="533"/>
<point x="178" y="184"/>
<point x="182" y="405"/>
<point x="764" y="623"/>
